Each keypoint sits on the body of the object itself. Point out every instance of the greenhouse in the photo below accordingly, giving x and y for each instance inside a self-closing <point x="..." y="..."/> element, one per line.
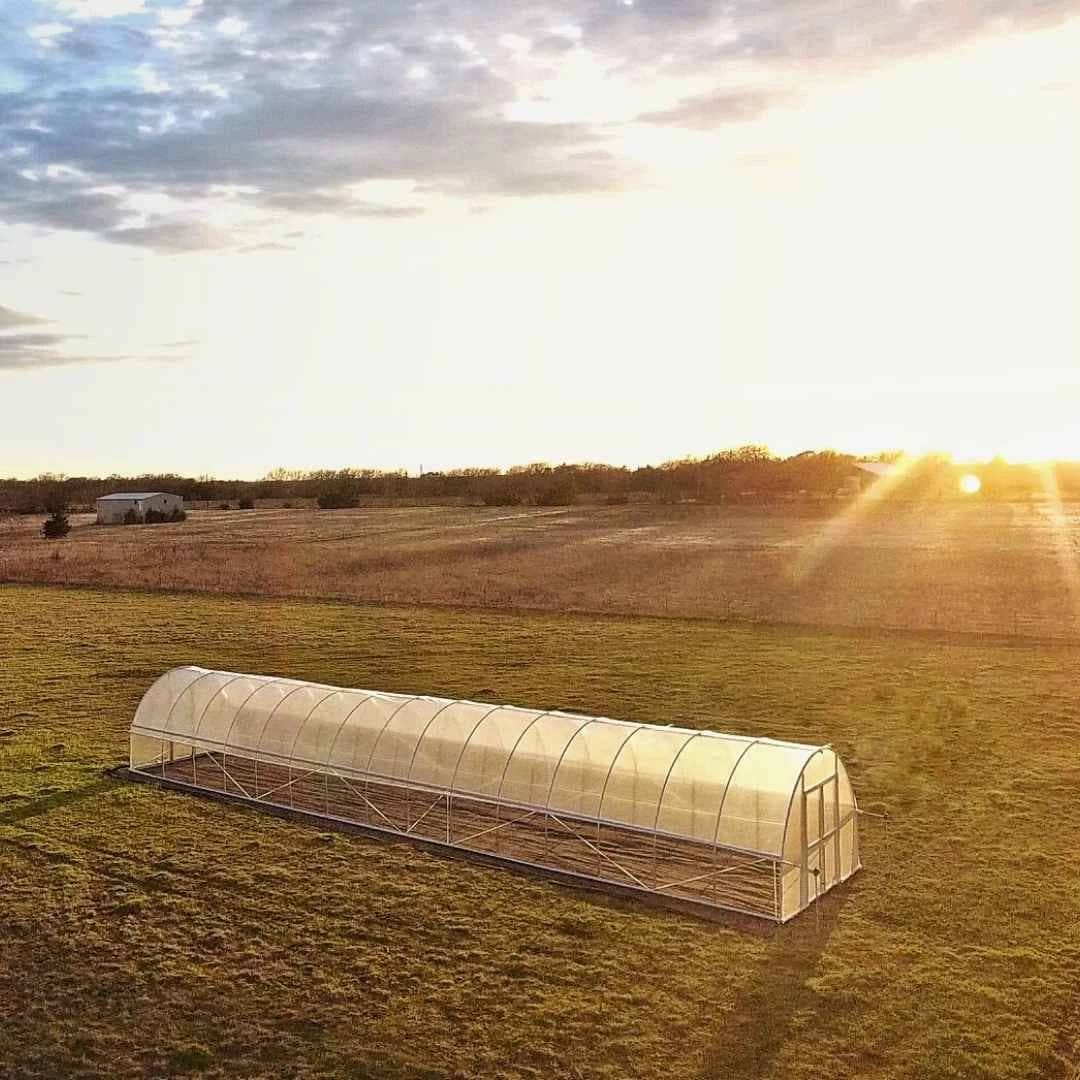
<point x="695" y="818"/>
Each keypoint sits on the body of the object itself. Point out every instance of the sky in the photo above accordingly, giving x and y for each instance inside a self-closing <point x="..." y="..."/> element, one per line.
<point x="315" y="233"/>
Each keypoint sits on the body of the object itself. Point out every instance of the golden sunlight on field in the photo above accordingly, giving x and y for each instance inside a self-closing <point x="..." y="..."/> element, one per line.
<point x="967" y="565"/>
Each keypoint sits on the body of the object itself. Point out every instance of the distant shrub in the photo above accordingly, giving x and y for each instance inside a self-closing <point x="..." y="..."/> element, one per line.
<point x="619" y="499"/>
<point x="57" y="525"/>
<point x="224" y="506"/>
<point x="247" y="504"/>
<point x="286" y="506"/>
<point x="502" y="498"/>
<point x="336" y="499"/>
<point x="556" y="496"/>
<point x="132" y="518"/>
<point x="158" y="517"/>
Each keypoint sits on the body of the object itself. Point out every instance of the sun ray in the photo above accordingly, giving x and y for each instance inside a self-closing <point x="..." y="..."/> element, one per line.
<point x="1061" y="536"/>
<point x="810" y="557"/>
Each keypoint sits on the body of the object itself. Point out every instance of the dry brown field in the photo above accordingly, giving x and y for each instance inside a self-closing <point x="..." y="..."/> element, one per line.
<point x="999" y="568"/>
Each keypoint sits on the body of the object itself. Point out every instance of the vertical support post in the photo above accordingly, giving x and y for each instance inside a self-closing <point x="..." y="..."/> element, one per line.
<point x="603" y="792"/>
<point x="821" y="840"/>
<point x="838" y="869"/>
<point x="804" y="871"/>
<point x="817" y="894"/>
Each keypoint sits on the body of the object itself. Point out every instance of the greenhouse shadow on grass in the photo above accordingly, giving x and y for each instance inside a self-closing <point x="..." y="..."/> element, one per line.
<point x="697" y="818"/>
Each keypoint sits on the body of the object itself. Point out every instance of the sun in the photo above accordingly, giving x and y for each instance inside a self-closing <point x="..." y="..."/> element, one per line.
<point x="970" y="484"/>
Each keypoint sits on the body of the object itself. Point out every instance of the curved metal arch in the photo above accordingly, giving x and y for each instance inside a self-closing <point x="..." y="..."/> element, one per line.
<point x="510" y="757"/>
<point x="266" y="723"/>
<point x="198" y="727"/>
<point x="163" y="730"/>
<point x="727" y="787"/>
<point x="311" y="713"/>
<point x="611" y="769"/>
<point x="558" y="764"/>
<point x="348" y="716"/>
<point x="382" y="730"/>
<point x="412" y="760"/>
<point x="243" y="705"/>
<point x="420" y="737"/>
<point x="300" y="731"/>
<point x="513" y="750"/>
<point x="465" y="744"/>
<point x="663" y="790"/>
<point x="671" y="769"/>
<point x="190" y="686"/>
<point x="213" y="697"/>
<point x="794" y="789"/>
<point x="555" y="772"/>
<point x="333" y="743"/>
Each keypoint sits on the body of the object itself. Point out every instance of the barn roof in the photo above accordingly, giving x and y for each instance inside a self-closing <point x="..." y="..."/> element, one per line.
<point x="131" y="495"/>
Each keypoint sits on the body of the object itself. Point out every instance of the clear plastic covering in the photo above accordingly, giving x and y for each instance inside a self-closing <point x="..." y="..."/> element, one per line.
<point x="788" y="802"/>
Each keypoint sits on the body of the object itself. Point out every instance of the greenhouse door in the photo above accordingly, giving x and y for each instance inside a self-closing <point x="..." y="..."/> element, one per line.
<point x="821" y="858"/>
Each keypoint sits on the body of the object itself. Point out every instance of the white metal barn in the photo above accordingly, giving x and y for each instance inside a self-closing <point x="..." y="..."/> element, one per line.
<point x="112" y="509"/>
<point x="698" y="819"/>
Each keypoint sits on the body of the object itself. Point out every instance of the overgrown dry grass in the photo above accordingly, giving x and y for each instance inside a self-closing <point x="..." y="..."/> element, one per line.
<point x="964" y="566"/>
<point x="149" y="933"/>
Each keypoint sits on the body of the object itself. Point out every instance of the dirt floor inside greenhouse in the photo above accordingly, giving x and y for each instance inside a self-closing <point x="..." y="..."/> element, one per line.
<point x="979" y="566"/>
<point x="147" y="932"/>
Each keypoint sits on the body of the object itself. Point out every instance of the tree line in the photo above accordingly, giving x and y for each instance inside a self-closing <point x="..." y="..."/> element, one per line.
<point x="743" y="474"/>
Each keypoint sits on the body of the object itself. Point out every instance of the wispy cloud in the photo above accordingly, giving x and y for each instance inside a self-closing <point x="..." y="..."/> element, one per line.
<point x="10" y="318"/>
<point x="172" y="237"/>
<point x="710" y="111"/>
<point x="29" y="350"/>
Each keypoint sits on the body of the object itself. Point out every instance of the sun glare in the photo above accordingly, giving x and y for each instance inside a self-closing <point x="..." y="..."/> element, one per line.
<point x="970" y="484"/>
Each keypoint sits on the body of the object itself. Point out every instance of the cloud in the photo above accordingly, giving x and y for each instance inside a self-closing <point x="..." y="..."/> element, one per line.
<point x="46" y="34"/>
<point x="10" y="318"/>
<point x="45" y="203"/>
<point x="35" y="359"/>
<point x="269" y="245"/>
<point x="27" y="350"/>
<point x="292" y="103"/>
<point x="100" y="9"/>
<point x="37" y="349"/>
<point x="337" y="202"/>
<point x="18" y="342"/>
<point x="710" y="111"/>
<point x="171" y="237"/>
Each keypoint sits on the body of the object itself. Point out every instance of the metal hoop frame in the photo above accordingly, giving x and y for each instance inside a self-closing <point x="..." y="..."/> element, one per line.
<point x="397" y="787"/>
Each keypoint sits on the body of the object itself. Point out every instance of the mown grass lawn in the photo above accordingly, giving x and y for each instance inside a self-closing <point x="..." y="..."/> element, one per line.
<point x="151" y="933"/>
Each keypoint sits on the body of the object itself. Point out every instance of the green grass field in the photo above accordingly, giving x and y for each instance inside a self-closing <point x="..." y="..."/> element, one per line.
<point x="151" y="933"/>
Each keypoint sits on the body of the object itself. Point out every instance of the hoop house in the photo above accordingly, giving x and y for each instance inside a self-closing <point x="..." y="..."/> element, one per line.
<point x="697" y="818"/>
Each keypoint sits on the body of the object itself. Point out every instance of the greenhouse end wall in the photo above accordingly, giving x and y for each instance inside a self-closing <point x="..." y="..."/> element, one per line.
<point x="718" y="821"/>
